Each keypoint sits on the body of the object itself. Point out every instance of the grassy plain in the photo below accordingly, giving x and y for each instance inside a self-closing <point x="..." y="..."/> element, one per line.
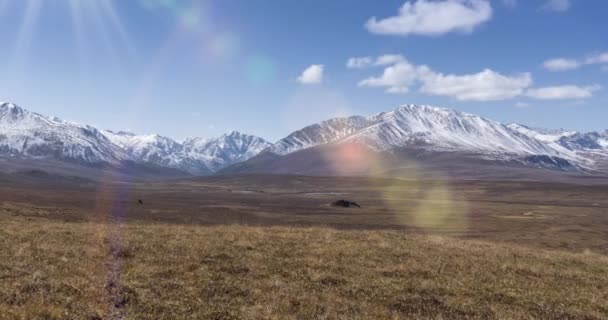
<point x="271" y="248"/>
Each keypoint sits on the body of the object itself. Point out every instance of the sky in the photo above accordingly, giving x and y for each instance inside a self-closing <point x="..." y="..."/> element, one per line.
<point x="200" y="68"/>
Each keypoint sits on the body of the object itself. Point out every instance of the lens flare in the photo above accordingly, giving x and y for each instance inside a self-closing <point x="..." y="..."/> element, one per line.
<point x="424" y="200"/>
<point x="189" y="14"/>
<point x="351" y="158"/>
<point x="260" y="70"/>
<point x="415" y="197"/>
<point x="440" y="210"/>
<point x="223" y="45"/>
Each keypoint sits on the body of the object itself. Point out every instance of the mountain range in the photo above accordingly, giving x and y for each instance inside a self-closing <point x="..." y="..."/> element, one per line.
<point x="418" y="138"/>
<point x="408" y="138"/>
<point x="28" y="135"/>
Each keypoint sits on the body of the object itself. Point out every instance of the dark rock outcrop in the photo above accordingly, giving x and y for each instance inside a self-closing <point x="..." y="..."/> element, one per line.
<point x="345" y="204"/>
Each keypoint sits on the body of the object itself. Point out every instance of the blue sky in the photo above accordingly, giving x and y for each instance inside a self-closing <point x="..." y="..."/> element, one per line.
<point x="202" y="68"/>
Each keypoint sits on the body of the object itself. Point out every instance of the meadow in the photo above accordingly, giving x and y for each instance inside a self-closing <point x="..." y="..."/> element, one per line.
<point x="218" y="248"/>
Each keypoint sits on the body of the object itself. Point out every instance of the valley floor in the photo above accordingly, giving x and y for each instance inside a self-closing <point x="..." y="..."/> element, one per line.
<point x="77" y="270"/>
<point x="271" y="247"/>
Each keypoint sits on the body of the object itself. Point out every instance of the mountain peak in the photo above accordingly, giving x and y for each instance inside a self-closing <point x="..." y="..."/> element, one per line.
<point x="122" y="133"/>
<point x="422" y="107"/>
<point x="320" y="133"/>
<point x="234" y="133"/>
<point x="428" y="109"/>
<point x="10" y="107"/>
<point x="412" y="125"/>
<point x="12" y="111"/>
<point x="407" y="127"/>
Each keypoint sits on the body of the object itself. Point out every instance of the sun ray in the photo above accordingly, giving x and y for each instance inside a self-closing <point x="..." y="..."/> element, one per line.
<point x="77" y="25"/>
<point x="93" y="11"/>
<point x="110" y="12"/>
<point x="24" y="37"/>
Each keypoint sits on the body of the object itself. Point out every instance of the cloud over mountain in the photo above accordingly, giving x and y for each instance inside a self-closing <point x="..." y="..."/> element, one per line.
<point x="487" y="85"/>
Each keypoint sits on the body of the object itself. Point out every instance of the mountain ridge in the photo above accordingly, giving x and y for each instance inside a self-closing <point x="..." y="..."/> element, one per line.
<point x="423" y="129"/>
<point x="31" y="135"/>
<point x="417" y="129"/>
<point x="412" y="124"/>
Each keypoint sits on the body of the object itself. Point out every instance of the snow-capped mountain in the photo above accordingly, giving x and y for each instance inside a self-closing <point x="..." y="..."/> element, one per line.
<point x="218" y="153"/>
<point x="197" y="156"/>
<point x="447" y="130"/>
<point x="426" y="127"/>
<point x="441" y="131"/>
<point x="570" y="140"/>
<point x="403" y="132"/>
<point x="545" y="135"/>
<point x="590" y="141"/>
<point x="153" y="148"/>
<point x="30" y="135"/>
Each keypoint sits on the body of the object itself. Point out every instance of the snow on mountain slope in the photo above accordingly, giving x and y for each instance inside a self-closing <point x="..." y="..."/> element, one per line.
<point x="155" y="149"/>
<point x="195" y="155"/>
<point x="448" y="130"/>
<point x="119" y="138"/>
<point x="27" y="134"/>
<point x="590" y="141"/>
<point x="316" y="134"/>
<point x="31" y="135"/>
<point x="603" y="141"/>
<point x="425" y="127"/>
<point x="544" y="135"/>
<point x="225" y="150"/>
<point x="590" y="146"/>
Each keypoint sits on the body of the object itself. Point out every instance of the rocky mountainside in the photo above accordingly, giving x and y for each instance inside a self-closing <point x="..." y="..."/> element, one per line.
<point x="29" y="135"/>
<point x="409" y="134"/>
<point x="427" y="129"/>
<point x="228" y="149"/>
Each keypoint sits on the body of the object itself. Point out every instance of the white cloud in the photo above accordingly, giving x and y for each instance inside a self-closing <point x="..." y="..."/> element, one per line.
<point x="562" y="92"/>
<point x="486" y="85"/>
<point x="312" y="74"/>
<point x="557" y="5"/>
<point x="564" y="64"/>
<point x="426" y="17"/>
<point x="521" y="104"/>
<point x="360" y="62"/>
<point x="396" y="78"/>
<point x="483" y="86"/>
<point x="388" y="59"/>
<point x="598" y="58"/>
<point x="561" y="64"/>
<point x="383" y="60"/>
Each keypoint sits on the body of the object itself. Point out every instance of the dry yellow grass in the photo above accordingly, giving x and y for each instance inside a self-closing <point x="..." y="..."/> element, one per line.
<point x="58" y="270"/>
